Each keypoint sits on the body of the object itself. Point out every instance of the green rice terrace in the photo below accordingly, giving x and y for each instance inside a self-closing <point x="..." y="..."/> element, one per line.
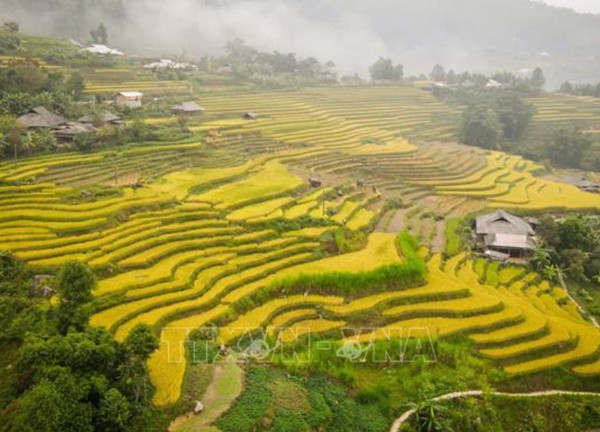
<point x="224" y="229"/>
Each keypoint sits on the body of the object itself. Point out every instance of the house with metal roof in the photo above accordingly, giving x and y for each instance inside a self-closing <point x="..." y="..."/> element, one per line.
<point x="131" y="99"/>
<point x="503" y="233"/>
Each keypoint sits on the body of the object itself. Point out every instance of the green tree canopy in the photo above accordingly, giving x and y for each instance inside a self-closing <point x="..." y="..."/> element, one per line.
<point x="481" y="127"/>
<point x="384" y="70"/>
<point x="566" y="148"/>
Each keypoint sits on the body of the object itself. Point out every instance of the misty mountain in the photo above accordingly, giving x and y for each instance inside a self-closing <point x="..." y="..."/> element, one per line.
<point x="475" y="35"/>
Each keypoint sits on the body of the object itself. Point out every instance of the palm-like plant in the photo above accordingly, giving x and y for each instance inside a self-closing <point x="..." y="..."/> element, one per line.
<point x="430" y="416"/>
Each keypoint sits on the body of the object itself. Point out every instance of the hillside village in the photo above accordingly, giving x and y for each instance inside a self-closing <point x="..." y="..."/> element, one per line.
<point x="253" y="241"/>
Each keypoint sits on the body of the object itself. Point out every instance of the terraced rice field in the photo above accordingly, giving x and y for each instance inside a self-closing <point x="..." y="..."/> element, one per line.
<point x="110" y="81"/>
<point x="216" y="223"/>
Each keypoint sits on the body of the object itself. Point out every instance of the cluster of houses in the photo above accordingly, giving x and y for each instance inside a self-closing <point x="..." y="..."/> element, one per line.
<point x="166" y="64"/>
<point x="103" y="50"/>
<point x="501" y="236"/>
<point x="431" y="86"/>
<point x="64" y="130"/>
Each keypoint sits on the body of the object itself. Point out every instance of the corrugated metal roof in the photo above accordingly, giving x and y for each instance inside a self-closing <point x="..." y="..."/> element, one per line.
<point x="509" y="241"/>
<point x="131" y="94"/>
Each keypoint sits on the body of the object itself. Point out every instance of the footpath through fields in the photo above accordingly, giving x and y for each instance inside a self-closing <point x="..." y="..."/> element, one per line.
<point x="478" y="393"/>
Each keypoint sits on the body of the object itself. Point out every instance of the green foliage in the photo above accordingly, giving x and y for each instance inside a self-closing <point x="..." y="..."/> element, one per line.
<point x="457" y="233"/>
<point x="251" y="406"/>
<point x="115" y="411"/>
<point x="86" y="380"/>
<point x="18" y="314"/>
<point x="274" y="69"/>
<point x="14" y="275"/>
<point x="538" y="80"/>
<point x="566" y="148"/>
<point x="9" y="41"/>
<point x="513" y="114"/>
<point x="499" y="414"/>
<point x="481" y="127"/>
<point x="75" y="84"/>
<point x="84" y="141"/>
<point x="438" y="73"/>
<point x="99" y="35"/>
<point x="316" y="404"/>
<point x="11" y="27"/>
<point x="384" y="70"/>
<point x="75" y="285"/>
<point x="571" y="244"/>
<point x="580" y="89"/>
<point x="141" y="342"/>
<point x="42" y="141"/>
<point x="82" y="380"/>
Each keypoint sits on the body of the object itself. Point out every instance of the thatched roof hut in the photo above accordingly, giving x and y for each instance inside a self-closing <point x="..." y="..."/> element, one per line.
<point x="187" y="108"/>
<point x="105" y="117"/>
<point x="70" y="130"/>
<point x="40" y="118"/>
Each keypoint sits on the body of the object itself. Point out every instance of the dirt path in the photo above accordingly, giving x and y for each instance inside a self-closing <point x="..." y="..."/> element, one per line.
<point x="477" y="393"/>
<point x="397" y="223"/>
<point x="225" y="387"/>
<point x="439" y="240"/>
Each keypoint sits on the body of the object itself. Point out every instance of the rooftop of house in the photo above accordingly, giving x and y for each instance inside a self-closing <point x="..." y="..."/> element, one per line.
<point x="188" y="107"/>
<point x="501" y="222"/>
<point x="105" y="116"/>
<point x="131" y="94"/>
<point x="103" y="50"/>
<point x="40" y="117"/>
<point x="74" y="128"/>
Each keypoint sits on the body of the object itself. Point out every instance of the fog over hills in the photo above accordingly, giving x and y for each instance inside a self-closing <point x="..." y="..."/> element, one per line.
<point x="475" y="35"/>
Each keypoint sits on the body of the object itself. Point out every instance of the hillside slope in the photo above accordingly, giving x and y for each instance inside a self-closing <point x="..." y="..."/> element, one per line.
<point x="481" y="35"/>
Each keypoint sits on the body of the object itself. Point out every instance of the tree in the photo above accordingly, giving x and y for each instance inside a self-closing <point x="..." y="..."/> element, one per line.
<point x="75" y="84"/>
<point x="566" y="148"/>
<point x="480" y="127"/>
<point x="567" y="88"/>
<point x="63" y="410"/>
<point x="399" y="71"/>
<point x="9" y="41"/>
<point x="182" y="120"/>
<point x="430" y="416"/>
<point x="84" y="141"/>
<point x="575" y="260"/>
<point x="75" y="285"/>
<point x="538" y="79"/>
<point x="141" y="342"/>
<point x="451" y="77"/>
<point x="514" y="114"/>
<point x="100" y="34"/>
<point x="11" y="27"/>
<point x="114" y="412"/>
<point x="384" y="70"/>
<point x="438" y="73"/>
